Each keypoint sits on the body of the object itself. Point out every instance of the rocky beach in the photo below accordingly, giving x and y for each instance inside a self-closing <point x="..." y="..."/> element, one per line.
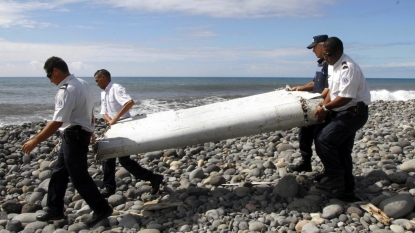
<point x="235" y="185"/>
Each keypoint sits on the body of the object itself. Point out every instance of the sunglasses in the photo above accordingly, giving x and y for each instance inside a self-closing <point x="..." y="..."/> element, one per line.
<point x="49" y="74"/>
<point x="329" y="54"/>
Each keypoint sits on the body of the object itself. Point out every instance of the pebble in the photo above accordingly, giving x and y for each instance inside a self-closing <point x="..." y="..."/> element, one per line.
<point x="235" y="185"/>
<point x="398" y="206"/>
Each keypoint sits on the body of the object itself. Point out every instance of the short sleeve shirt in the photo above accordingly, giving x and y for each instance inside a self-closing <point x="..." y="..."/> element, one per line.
<point x="347" y="80"/>
<point x="113" y="98"/>
<point x="320" y="79"/>
<point x="74" y="103"/>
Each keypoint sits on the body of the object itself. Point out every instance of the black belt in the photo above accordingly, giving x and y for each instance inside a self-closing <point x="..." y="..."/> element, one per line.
<point x="352" y="109"/>
<point x="75" y="127"/>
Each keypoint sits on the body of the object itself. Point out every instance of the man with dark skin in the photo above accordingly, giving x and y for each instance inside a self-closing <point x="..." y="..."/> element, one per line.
<point x="345" y="110"/>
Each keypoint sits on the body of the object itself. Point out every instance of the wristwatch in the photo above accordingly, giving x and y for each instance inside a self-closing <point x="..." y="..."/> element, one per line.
<point x="324" y="108"/>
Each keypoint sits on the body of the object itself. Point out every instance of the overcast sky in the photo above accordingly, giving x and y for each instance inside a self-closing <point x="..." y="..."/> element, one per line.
<point x="204" y="38"/>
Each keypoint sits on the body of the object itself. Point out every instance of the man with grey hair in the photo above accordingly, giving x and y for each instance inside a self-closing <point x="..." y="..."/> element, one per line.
<point x="115" y="105"/>
<point x="318" y="85"/>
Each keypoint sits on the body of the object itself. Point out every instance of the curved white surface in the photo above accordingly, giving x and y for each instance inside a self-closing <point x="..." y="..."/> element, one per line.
<point x="276" y="110"/>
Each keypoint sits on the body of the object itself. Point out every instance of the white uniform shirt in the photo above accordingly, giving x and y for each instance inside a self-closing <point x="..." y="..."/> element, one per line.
<point x="347" y="80"/>
<point x="74" y="103"/>
<point x="113" y="99"/>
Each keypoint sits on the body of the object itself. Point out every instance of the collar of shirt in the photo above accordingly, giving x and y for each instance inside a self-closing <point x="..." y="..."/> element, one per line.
<point x="321" y="62"/>
<point x="339" y="62"/>
<point x="66" y="80"/>
<point x="108" y="86"/>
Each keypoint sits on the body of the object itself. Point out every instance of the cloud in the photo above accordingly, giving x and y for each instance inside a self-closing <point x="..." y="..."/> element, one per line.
<point x="391" y="65"/>
<point x="14" y="13"/>
<point x="35" y="65"/>
<point x="85" y="57"/>
<point x="78" y="65"/>
<point x="107" y="52"/>
<point x="229" y="8"/>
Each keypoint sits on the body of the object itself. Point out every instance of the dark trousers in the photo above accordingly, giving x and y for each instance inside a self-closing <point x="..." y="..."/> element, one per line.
<point x="130" y="165"/>
<point x="306" y="137"/>
<point x="72" y="163"/>
<point x="334" y="143"/>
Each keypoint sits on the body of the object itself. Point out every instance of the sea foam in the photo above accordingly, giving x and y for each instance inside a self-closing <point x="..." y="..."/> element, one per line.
<point x="392" y="95"/>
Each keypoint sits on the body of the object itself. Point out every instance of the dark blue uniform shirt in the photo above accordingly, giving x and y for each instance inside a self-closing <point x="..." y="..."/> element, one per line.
<point x="320" y="79"/>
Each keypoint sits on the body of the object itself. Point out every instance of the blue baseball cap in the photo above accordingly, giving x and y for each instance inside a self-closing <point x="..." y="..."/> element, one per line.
<point x="317" y="39"/>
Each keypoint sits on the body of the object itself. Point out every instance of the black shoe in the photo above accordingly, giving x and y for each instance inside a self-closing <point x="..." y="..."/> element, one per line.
<point x="302" y="166"/>
<point x="97" y="217"/>
<point x="106" y="192"/>
<point x="49" y="216"/>
<point x="156" y="180"/>
<point x="331" y="184"/>
<point x="347" y="196"/>
<point x="319" y="177"/>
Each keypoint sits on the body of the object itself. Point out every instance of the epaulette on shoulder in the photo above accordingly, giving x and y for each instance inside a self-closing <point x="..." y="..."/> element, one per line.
<point x="64" y="86"/>
<point x="344" y="65"/>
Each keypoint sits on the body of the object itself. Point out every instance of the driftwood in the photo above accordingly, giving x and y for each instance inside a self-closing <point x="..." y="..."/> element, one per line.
<point x="377" y="213"/>
<point x="161" y="204"/>
<point x="253" y="183"/>
<point x="116" y="213"/>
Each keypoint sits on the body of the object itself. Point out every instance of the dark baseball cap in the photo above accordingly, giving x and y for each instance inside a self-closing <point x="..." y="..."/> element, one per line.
<point x="317" y="39"/>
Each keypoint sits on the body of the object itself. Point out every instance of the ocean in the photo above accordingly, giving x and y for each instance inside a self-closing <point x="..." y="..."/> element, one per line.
<point x="32" y="99"/>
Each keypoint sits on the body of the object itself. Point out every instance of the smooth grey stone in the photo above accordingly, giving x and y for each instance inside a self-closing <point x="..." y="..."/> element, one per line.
<point x="310" y="228"/>
<point x="116" y="199"/>
<point x="287" y="187"/>
<point x="396" y="150"/>
<point x="26" y="217"/>
<point x="76" y="227"/>
<point x="84" y="210"/>
<point x="212" y="215"/>
<point x="149" y="231"/>
<point x="284" y="147"/>
<point x="304" y="206"/>
<point x="154" y="155"/>
<point x="49" y="228"/>
<point x="255" y="172"/>
<point x="332" y="211"/>
<point x="408" y="166"/>
<point x="242" y="191"/>
<point x="256" y="226"/>
<point x="36" y="225"/>
<point x="184" y="228"/>
<point x="217" y="180"/>
<point x="196" y="174"/>
<point x="14" y="226"/>
<point x="129" y="221"/>
<point x="397" y="206"/>
<point x="122" y="173"/>
<point x="398" y="177"/>
<point x="35" y="197"/>
<point x="154" y="225"/>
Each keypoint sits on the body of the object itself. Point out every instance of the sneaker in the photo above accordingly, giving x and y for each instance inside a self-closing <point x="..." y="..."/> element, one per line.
<point x="49" y="217"/>
<point x="106" y="191"/>
<point x="156" y="180"/>
<point x="97" y="217"/>
<point x="331" y="184"/>
<point x="302" y="166"/>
